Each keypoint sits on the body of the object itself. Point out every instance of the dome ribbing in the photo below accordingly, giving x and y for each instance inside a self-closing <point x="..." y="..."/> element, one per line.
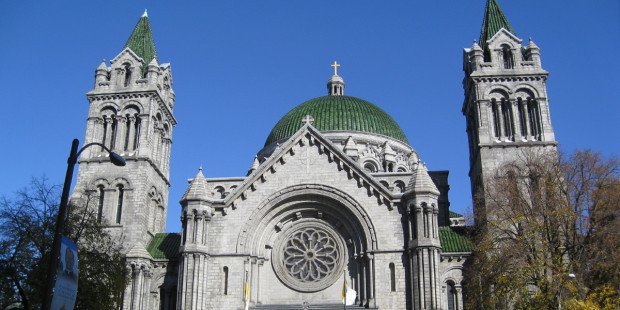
<point x="338" y="113"/>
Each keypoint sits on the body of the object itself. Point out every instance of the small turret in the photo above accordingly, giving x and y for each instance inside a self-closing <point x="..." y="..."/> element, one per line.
<point x="389" y="157"/>
<point x="351" y="149"/>
<point x="532" y="53"/>
<point x="255" y="165"/>
<point x="102" y="74"/>
<point x="152" y="74"/>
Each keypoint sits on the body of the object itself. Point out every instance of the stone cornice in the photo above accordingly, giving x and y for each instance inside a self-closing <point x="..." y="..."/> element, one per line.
<point x="127" y="158"/>
<point x="96" y="95"/>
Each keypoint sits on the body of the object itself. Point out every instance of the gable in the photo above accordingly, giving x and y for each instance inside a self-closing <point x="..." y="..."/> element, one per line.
<point x="504" y="36"/>
<point x="309" y="152"/>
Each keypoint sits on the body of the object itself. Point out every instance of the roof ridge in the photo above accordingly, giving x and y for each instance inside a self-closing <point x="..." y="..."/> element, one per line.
<point x="494" y="20"/>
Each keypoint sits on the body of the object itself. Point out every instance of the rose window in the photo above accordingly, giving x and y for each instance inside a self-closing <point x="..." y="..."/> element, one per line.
<point x="309" y="257"/>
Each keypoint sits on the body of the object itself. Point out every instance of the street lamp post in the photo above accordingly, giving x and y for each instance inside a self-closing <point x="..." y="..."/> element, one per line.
<point x="62" y="214"/>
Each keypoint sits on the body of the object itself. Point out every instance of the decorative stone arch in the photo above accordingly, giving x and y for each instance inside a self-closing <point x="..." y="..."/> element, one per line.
<point x="288" y="205"/>
<point x="219" y="192"/>
<point x="120" y="181"/>
<point x="400" y="185"/>
<point x="109" y="105"/>
<point x="497" y="92"/>
<point x="385" y="183"/>
<point x="525" y="90"/>
<point x="401" y="168"/>
<point x="99" y="182"/>
<point x="132" y="104"/>
<point x="370" y="164"/>
<point x="155" y="208"/>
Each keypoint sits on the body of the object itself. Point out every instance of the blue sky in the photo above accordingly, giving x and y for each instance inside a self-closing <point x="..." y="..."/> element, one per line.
<point x="238" y="66"/>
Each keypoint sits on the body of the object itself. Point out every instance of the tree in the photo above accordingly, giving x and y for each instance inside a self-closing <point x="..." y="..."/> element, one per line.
<point x="26" y="231"/>
<point x="549" y="220"/>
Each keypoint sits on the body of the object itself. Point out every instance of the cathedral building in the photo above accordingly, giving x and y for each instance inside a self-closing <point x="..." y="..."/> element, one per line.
<point x="337" y="197"/>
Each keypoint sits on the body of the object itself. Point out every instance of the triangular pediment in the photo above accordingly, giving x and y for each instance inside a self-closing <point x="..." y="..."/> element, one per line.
<point x="310" y="137"/>
<point x="127" y="52"/>
<point x="502" y="36"/>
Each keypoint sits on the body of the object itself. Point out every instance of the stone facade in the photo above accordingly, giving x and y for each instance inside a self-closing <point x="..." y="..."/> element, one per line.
<point x="321" y="207"/>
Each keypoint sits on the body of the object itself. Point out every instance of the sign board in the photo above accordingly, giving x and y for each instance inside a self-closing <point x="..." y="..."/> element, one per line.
<point x="65" y="290"/>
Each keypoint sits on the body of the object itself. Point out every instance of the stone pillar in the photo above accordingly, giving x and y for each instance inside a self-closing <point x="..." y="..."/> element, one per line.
<point x="528" y="130"/>
<point x="371" y="280"/>
<point x="364" y="284"/>
<point x="358" y="279"/>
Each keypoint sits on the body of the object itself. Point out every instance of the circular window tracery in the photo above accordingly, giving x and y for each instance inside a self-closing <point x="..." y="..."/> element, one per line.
<point x="310" y="256"/>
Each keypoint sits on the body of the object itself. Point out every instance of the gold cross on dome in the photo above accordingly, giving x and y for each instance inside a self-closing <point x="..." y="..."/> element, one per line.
<point x="308" y="119"/>
<point x="335" y="66"/>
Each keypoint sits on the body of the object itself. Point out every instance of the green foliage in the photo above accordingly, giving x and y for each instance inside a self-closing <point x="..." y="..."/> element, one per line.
<point x="27" y="224"/>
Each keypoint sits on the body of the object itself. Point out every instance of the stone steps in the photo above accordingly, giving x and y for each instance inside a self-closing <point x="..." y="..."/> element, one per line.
<point x="309" y="307"/>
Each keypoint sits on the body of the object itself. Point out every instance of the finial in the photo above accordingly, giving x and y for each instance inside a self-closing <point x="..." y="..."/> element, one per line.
<point x="145" y="14"/>
<point x="335" y="66"/>
<point x="200" y="168"/>
<point x="308" y="119"/>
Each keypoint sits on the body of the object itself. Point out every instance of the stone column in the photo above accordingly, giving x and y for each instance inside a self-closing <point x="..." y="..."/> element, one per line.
<point x="516" y="119"/>
<point x="371" y="280"/>
<point x="358" y="279"/>
<point x="260" y="265"/>
<point x="500" y="116"/>
<point x="364" y="284"/>
<point x="528" y="130"/>
<point x="459" y="297"/>
<point x="146" y="288"/>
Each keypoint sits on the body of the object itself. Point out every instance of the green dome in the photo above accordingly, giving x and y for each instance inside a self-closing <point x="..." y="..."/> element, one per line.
<point x="338" y="113"/>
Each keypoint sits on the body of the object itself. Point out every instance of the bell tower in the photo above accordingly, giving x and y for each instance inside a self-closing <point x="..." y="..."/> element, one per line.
<point x="130" y="111"/>
<point x="506" y="105"/>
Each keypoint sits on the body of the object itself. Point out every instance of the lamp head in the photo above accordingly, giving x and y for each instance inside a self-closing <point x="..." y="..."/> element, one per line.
<point x="116" y="159"/>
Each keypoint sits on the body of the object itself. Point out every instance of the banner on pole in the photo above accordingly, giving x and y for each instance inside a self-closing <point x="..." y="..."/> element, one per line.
<point x="65" y="290"/>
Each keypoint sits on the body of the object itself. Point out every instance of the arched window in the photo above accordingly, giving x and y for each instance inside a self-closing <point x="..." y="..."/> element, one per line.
<point x="534" y="118"/>
<point x="119" y="205"/>
<point x="100" y="204"/>
<point x="105" y="132"/>
<point x="136" y="137"/>
<point x="487" y="55"/>
<point x="495" y="110"/>
<point x="225" y="275"/>
<point x="400" y="185"/>
<point x="384" y="183"/>
<point x="184" y="226"/>
<point x="195" y="228"/>
<point x="451" y="292"/>
<point x="370" y="167"/>
<point x="113" y="127"/>
<point x="508" y="120"/>
<point x="127" y="132"/>
<point x="392" y="278"/>
<point x="220" y="192"/>
<point x="507" y="57"/>
<point x="127" y="74"/>
<point x="522" y="118"/>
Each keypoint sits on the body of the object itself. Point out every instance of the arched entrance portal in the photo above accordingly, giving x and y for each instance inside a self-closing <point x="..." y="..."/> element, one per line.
<point x="303" y="242"/>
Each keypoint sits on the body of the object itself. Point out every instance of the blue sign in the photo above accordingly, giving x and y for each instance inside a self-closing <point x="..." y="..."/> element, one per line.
<point x="65" y="290"/>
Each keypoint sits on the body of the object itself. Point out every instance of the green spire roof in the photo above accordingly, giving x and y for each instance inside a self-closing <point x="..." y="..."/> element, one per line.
<point x="338" y="113"/>
<point x="141" y="41"/>
<point x="494" y="20"/>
